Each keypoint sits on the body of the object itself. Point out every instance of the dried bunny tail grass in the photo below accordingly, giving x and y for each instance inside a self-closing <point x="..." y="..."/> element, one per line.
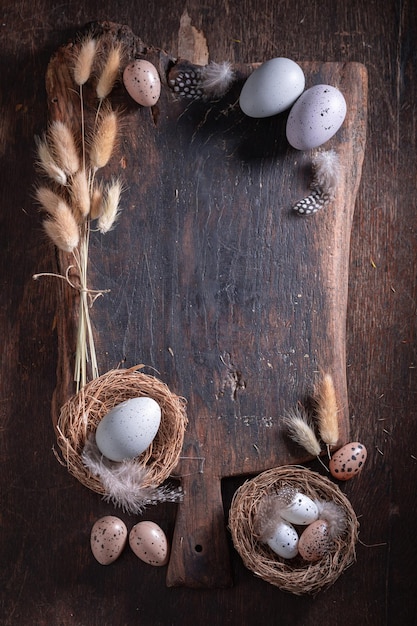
<point x="48" y="199"/>
<point x="83" y="61"/>
<point x="295" y="576"/>
<point x="334" y="515"/>
<point x="327" y="410"/>
<point x="110" y="71"/>
<point x="103" y="139"/>
<point x="125" y="483"/>
<point x="62" y="228"/>
<point x="61" y="141"/>
<point x="80" y="195"/>
<point x="298" y="425"/>
<point x="96" y="202"/>
<point x="47" y="163"/>
<point x="110" y="206"/>
<point x="326" y="166"/>
<point x="216" y="78"/>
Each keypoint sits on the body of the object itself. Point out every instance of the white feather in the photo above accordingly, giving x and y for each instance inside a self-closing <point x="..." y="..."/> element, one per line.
<point x="123" y="482"/>
<point x="216" y="78"/>
<point x="326" y="166"/>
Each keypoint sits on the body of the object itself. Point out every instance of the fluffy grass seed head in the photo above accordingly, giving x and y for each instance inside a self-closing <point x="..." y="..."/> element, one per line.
<point x="327" y="410"/>
<point x="104" y="139"/>
<point x="110" y="206"/>
<point x="47" y="163"/>
<point x="62" y="228"/>
<point x="62" y="147"/>
<point x="84" y="59"/>
<point x="300" y="430"/>
<point x="110" y="71"/>
<point x="80" y="195"/>
<point x="96" y="202"/>
<point x="48" y="199"/>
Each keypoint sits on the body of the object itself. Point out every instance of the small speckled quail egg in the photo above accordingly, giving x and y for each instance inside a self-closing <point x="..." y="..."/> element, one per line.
<point x="272" y="88"/>
<point x="284" y="540"/>
<point x="348" y="461"/>
<point x="128" y="429"/>
<point x="301" y="510"/>
<point x="142" y="82"/>
<point x="108" y="538"/>
<point x="314" y="542"/>
<point x="316" y="116"/>
<point x="148" y="541"/>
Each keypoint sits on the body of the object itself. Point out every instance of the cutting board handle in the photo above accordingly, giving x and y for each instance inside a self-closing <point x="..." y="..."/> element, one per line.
<point x="200" y="550"/>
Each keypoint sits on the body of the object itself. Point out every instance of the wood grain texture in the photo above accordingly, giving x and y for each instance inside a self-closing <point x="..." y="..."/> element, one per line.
<point x="215" y="283"/>
<point x="47" y="573"/>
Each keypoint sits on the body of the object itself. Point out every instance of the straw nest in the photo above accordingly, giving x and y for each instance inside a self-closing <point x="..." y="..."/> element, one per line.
<point x="295" y="576"/>
<point x="81" y="414"/>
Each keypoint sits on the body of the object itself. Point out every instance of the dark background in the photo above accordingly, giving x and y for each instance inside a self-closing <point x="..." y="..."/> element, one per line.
<point x="47" y="573"/>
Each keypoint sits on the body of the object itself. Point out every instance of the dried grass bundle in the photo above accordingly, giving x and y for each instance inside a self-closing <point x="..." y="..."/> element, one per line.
<point x="298" y="576"/>
<point x="75" y="198"/>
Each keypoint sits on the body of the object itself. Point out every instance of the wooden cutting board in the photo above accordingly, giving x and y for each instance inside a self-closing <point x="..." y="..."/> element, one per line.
<point x="215" y="283"/>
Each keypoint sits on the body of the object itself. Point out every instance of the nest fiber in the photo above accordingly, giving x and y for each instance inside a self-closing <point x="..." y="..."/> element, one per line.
<point x="81" y="414"/>
<point x="295" y="575"/>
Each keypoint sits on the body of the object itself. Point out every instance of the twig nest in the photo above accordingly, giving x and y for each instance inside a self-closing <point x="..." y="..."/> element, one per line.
<point x="297" y="575"/>
<point x="81" y="414"/>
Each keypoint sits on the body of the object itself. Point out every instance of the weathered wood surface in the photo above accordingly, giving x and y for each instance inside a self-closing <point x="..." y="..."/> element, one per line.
<point x="215" y="282"/>
<point x="47" y="573"/>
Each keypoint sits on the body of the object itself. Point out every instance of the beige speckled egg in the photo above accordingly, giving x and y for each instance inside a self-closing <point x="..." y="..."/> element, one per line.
<point x="108" y="538"/>
<point x="314" y="542"/>
<point x="142" y="82"/>
<point x="149" y="543"/>
<point x="348" y="461"/>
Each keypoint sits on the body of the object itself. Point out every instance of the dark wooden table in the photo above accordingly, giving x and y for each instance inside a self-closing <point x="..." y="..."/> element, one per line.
<point x="47" y="573"/>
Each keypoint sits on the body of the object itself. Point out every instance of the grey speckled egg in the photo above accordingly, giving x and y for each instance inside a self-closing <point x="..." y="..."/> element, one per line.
<point x="149" y="543"/>
<point x="142" y="82"/>
<point x="316" y="116"/>
<point x="128" y="429"/>
<point x="108" y="538"/>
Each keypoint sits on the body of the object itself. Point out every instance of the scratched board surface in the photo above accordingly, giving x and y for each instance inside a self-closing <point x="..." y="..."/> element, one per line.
<point x="215" y="283"/>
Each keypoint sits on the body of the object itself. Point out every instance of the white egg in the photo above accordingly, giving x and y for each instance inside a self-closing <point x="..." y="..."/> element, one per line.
<point x="128" y="429"/>
<point x="302" y="510"/>
<point x="272" y="88"/>
<point x="284" y="540"/>
<point x="316" y="116"/>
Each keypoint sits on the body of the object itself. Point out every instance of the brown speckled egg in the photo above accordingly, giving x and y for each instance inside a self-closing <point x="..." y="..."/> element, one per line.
<point x="348" y="461"/>
<point x="108" y="538"/>
<point x="314" y="542"/>
<point x="149" y="543"/>
<point x="142" y="82"/>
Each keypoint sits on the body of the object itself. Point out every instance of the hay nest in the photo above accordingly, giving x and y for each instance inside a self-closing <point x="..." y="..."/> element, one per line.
<point x="81" y="414"/>
<point x="295" y="575"/>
